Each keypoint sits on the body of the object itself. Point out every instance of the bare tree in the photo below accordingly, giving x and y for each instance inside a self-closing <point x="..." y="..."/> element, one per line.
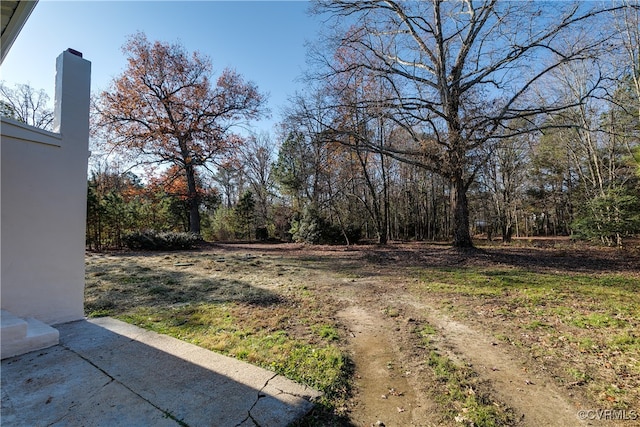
<point x="372" y="129"/>
<point x="257" y="157"/>
<point x="27" y="105"/>
<point x="627" y="24"/>
<point x="459" y="73"/>
<point x="502" y="178"/>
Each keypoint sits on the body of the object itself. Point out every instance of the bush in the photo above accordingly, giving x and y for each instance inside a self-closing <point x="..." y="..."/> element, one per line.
<point x="150" y="240"/>
<point x="262" y="234"/>
<point x="308" y="228"/>
<point x="609" y="217"/>
<point x="315" y="229"/>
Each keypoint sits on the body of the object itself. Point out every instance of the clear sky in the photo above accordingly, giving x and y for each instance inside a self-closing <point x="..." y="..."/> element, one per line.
<point x="263" y="40"/>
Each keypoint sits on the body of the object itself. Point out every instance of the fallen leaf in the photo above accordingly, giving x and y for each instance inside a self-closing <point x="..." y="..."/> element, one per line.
<point x="394" y="392"/>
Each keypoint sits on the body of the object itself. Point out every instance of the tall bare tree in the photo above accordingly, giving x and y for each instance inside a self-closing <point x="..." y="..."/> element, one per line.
<point x="27" y="105"/>
<point x="627" y="24"/>
<point x="258" y="155"/>
<point x="502" y="178"/>
<point x="460" y="72"/>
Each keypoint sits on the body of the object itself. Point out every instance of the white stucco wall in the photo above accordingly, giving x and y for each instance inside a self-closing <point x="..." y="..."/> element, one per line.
<point x="43" y="202"/>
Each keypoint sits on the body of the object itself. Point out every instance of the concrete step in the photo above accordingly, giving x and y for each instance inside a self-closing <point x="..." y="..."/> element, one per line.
<point x="11" y="327"/>
<point x="21" y="336"/>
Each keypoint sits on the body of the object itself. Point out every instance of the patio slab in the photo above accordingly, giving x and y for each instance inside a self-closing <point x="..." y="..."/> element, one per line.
<point x="106" y="372"/>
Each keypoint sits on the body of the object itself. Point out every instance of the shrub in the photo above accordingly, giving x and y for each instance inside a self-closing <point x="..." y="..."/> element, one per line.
<point x="262" y="233"/>
<point x="309" y="228"/>
<point x="315" y="229"/>
<point x="609" y="217"/>
<point x="150" y="240"/>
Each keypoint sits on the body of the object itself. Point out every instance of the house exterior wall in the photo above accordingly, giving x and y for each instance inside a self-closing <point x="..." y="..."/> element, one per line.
<point x="43" y="180"/>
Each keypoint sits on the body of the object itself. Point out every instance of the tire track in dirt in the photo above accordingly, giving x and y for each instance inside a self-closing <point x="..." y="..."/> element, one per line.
<point x="535" y="398"/>
<point x="383" y="392"/>
<point x="373" y="284"/>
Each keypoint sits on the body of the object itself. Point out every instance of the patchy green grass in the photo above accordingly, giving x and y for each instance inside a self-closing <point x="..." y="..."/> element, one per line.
<point x="220" y="327"/>
<point x="278" y="311"/>
<point x="459" y="391"/>
<point x="583" y="328"/>
<point x="247" y="308"/>
<point x="427" y="331"/>
<point x="328" y="332"/>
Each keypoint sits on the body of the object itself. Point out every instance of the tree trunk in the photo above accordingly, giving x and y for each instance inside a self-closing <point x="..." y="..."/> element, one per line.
<point x="381" y="231"/>
<point x="460" y="206"/>
<point x="507" y="231"/>
<point x="384" y="236"/>
<point x="193" y="200"/>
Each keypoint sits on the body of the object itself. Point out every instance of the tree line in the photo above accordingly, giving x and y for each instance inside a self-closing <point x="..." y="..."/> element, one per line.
<point x="422" y="121"/>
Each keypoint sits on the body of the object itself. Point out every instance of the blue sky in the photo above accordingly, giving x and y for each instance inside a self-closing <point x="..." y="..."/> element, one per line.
<point x="263" y="40"/>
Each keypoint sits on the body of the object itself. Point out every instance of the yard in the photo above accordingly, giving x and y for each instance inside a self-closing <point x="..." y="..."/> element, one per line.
<point x="536" y="333"/>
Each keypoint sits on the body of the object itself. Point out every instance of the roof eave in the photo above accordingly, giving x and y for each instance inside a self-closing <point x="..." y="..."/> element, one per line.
<point x="15" y="24"/>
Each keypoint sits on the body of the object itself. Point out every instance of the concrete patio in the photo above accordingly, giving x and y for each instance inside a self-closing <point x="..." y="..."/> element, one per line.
<point x="106" y="372"/>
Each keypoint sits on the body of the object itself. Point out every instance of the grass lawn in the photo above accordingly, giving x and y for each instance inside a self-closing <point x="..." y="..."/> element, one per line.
<point x="584" y="329"/>
<point x="277" y="309"/>
<point x="251" y="308"/>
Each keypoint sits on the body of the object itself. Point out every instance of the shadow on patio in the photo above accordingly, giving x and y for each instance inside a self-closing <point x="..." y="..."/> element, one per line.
<point x="105" y="372"/>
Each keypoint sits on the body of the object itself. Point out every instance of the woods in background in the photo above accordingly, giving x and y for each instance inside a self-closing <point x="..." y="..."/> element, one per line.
<point x="421" y="121"/>
<point x="437" y="121"/>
